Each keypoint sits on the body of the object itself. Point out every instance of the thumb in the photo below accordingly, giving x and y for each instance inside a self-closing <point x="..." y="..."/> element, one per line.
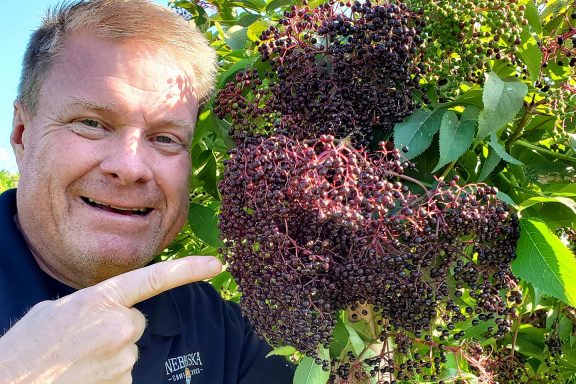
<point x="141" y="284"/>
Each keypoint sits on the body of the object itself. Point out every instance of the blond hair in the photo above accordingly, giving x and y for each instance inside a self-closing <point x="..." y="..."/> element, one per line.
<point x="120" y="20"/>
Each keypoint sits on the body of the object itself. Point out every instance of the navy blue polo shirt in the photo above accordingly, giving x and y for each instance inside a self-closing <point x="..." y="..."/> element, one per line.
<point x="192" y="336"/>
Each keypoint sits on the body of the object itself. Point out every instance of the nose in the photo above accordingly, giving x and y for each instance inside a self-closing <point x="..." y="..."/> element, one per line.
<point x="128" y="161"/>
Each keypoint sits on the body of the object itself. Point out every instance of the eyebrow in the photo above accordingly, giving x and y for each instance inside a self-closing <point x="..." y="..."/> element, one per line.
<point x="111" y="108"/>
<point x="178" y="123"/>
<point x="81" y="102"/>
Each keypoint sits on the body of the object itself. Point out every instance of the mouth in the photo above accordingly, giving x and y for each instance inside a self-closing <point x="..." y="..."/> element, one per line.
<point x="119" y="210"/>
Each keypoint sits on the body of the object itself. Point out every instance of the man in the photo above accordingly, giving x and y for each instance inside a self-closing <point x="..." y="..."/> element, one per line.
<point x="102" y="126"/>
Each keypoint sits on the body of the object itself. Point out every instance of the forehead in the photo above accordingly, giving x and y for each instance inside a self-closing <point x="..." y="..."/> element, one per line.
<point x="127" y="74"/>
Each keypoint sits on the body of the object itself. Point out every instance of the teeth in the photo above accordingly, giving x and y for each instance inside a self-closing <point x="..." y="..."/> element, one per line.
<point x="141" y="210"/>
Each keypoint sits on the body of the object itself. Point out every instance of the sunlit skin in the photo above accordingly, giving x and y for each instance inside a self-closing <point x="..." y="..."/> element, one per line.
<point x="113" y="128"/>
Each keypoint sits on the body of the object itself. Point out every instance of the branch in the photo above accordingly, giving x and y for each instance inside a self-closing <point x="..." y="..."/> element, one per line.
<point x="536" y="148"/>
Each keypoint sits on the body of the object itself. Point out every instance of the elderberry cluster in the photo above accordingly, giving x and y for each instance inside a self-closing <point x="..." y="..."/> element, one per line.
<point x="462" y="37"/>
<point x="314" y="223"/>
<point x="341" y="70"/>
<point x="315" y="227"/>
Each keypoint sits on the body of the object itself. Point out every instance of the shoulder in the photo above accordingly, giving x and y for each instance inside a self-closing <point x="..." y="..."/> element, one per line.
<point x="8" y="206"/>
<point x="202" y="298"/>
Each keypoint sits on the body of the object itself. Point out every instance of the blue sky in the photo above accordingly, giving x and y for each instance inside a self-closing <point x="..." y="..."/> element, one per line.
<point x="17" y="20"/>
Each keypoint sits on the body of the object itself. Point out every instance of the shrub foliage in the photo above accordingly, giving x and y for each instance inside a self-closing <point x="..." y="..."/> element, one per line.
<point x="391" y="184"/>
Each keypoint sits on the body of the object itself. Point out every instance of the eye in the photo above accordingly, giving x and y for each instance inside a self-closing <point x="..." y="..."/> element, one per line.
<point x="89" y="128"/>
<point x="167" y="143"/>
<point x="164" y="139"/>
<point x="91" y="123"/>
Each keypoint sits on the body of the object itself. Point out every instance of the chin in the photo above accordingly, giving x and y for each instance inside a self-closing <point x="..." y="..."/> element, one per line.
<point x="121" y="256"/>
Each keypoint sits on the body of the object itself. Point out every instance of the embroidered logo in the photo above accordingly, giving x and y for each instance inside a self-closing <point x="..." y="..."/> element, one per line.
<point x="182" y="368"/>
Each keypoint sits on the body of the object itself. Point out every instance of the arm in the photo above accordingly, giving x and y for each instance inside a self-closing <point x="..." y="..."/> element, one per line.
<point x="90" y="336"/>
<point x="257" y="368"/>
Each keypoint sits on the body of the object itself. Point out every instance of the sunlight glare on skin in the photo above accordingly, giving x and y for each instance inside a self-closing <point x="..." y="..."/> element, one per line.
<point x="133" y="141"/>
<point x="180" y="90"/>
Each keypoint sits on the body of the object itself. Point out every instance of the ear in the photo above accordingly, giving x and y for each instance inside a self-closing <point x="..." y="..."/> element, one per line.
<point x="20" y="123"/>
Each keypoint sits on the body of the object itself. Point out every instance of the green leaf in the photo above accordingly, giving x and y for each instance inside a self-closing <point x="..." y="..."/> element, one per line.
<point x="255" y="30"/>
<point x="252" y="5"/>
<point x="557" y="17"/>
<point x="531" y="14"/>
<point x="456" y="135"/>
<point x="236" y="37"/>
<point x="203" y="126"/>
<point x="221" y="34"/>
<point x="209" y="176"/>
<point x="489" y="165"/>
<point x="278" y="4"/>
<point x="572" y="137"/>
<point x="469" y="161"/>
<point x="248" y="19"/>
<point x="309" y="372"/>
<point x="472" y="96"/>
<point x="565" y="328"/>
<point x="531" y="54"/>
<point x="199" y="15"/>
<point x="499" y="148"/>
<point x="555" y="218"/>
<point x="286" y="350"/>
<point x="502" y="101"/>
<point x="560" y="189"/>
<point x="552" y="199"/>
<point x="417" y="131"/>
<point x="245" y="63"/>
<point x="503" y="69"/>
<point x="340" y="341"/>
<point x="358" y="344"/>
<point x="210" y="123"/>
<point x="538" y="127"/>
<point x="452" y="370"/>
<point x="204" y="223"/>
<point x="532" y="297"/>
<point x="505" y="198"/>
<point x="221" y="279"/>
<point x="545" y="262"/>
<point x="200" y="157"/>
<point x="530" y="341"/>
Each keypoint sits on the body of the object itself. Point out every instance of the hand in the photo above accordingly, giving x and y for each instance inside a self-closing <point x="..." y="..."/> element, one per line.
<point x="90" y="336"/>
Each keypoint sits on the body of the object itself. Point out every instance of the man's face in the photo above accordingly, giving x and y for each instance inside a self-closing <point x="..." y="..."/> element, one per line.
<point x="104" y="162"/>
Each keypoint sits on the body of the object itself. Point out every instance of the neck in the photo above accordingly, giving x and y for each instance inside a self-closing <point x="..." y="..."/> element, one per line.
<point x="44" y="266"/>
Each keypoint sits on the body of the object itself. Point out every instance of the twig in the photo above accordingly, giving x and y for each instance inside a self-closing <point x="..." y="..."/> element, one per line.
<point x="562" y="156"/>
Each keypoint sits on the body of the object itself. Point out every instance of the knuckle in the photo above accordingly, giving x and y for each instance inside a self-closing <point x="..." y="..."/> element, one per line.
<point x="139" y="319"/>
<point x="121" y="330"/>
<point x="129" y="356"/>
<point x="155" y="280"/>
<point x="126" y="333"/>
<point x="90" y="298"/>
<point x="41" y="306"/>
<point x="120" y="367"/>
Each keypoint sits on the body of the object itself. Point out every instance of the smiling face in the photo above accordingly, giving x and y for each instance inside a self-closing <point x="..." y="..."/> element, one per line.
<point x="104" y="163"/>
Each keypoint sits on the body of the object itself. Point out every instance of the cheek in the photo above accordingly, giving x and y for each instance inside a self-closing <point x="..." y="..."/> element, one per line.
<point x="68" y="158"/>
<point x="173" y="176"/>
<point x="174" y="182"/>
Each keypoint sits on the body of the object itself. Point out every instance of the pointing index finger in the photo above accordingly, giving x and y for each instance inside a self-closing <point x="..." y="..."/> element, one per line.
<point x="141" y="284"/>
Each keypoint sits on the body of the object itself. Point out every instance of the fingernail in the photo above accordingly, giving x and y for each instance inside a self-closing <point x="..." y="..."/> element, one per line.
<point x="214" y="266"/>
